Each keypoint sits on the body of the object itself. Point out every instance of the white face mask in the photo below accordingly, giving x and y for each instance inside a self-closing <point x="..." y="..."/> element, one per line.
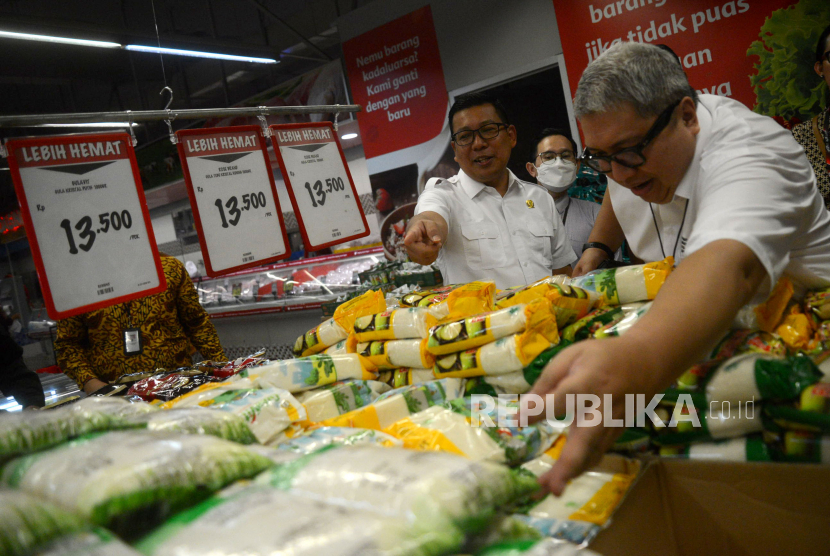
<point x="557" y="175"/>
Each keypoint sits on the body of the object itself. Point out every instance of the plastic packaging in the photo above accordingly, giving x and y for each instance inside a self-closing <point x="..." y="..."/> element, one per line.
<point x="588" y="325"/>
<point x="618" y="328"/>
<point x="339" y="398"/>
<point x="505" y="355"/>
<point x="394" y="354"/>
<point x="463" y="334"/>
<point x="318" y="438"/>
<point x="797" y="446"/>
<point x="95" y="542"/>
<point x="809" y="412"/>
<point x="570" y="303"/>
<point x="627" y="284"/>
<point x="719" y="422"/>
<point x="257" y="520"/>
<point x="127" y="481"/>
<point x="341" y="324"/>
<point x="398" y="404"/>
<point x="453" y="302"/>
<point x="27" y="522"/>
<point x="268" y="411"/>
<point x="545" y="547"/>
<point x="27" y="431"/>
<point x="398" y="324"/>
<point x="429" y="489"/>
<point x="165" y="387"/>
<point x="306" y="373"/>
<point x="745" y="448"/>
<point x="197" y="420"/>
<point x="754" y="376"/>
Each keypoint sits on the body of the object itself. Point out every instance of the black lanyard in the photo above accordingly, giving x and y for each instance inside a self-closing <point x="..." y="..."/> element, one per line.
<point x="680" y="231"/>
<point x="565" y="215"/>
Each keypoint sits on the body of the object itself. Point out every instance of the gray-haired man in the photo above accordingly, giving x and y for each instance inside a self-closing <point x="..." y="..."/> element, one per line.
<point x="725" y="191"/>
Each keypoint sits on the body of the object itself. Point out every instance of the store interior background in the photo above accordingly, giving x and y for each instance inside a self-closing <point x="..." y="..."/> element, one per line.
<point x="512" y="48"/>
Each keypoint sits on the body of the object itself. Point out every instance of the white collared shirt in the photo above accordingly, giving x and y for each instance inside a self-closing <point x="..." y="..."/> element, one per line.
<point x="579" y="217"/>
<point x="512" y="240"/>
<point x="749" y="181"/>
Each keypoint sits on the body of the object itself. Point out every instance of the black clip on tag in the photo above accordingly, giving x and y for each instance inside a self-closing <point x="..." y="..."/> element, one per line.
<point x="132" y="341"/>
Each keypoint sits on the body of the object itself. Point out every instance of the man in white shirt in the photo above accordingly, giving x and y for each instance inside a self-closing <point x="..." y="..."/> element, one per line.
<point x="726" y="191"/>
<point x="554" y="165"/>
<point x="484" y="223"/>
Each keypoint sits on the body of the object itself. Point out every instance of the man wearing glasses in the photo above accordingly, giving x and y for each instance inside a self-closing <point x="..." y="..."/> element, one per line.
<point x="484" y="223"/>
<point x="727" y="192"/>
<point x="554" y="165"/>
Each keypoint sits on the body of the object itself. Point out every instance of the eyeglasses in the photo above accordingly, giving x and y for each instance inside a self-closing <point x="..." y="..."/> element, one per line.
<point x="630" y="157"/>
<point x="488" y="131"/>
<point x="549" y="156"/>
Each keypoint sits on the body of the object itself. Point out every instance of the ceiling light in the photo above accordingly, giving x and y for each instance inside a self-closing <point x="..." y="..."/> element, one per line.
<point x="100" y="124"/>
<point x="60" y="40"/>
<point x="349" y="136"/>
<point x="198" y="54"/>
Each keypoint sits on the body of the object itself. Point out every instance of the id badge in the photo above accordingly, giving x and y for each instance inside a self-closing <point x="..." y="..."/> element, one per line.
<point x="132" y="341"/>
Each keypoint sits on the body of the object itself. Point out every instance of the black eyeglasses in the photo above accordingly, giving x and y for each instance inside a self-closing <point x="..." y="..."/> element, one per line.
<point x="488" y="131"/>
<point x="630" y="157"/>
<point x="548" y="156"/>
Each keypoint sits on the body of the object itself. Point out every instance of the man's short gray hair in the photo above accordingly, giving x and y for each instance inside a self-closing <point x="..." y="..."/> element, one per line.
<point x="647" y="77"/>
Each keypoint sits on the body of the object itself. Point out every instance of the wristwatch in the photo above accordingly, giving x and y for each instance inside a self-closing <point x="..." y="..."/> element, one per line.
<point x="598" y="245"/>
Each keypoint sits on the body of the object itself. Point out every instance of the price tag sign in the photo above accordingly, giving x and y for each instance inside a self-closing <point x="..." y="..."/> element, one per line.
<point x="319" y="184"/>
<point x="234" y="198"/>
<point x="86" y="220"/>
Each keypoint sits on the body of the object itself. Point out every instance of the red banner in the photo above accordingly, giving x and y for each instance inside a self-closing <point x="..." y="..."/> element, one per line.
<point x="711" y="37"/>
<point x="395" y="73"/>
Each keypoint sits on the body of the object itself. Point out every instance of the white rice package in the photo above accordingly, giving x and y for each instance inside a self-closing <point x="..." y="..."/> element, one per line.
<point x="307" y="373"/>
<point x="28" y="522"/>
<point x="198" y="420"/>
<point x="318" y="438"/>
<point x="95" y="542"/>
<point x="339" y="398"/>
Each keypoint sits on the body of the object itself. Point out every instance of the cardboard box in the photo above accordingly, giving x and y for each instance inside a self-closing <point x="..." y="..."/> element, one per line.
<point x="687" y="507"/>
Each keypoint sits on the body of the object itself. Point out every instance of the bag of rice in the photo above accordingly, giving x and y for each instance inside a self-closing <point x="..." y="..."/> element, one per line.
<point x="546" y="547"/>
<point x="340" y="325"/>
<point x="745" y="448"/>
<point x="588" y="325"/>
<point x="307" y="373"/>
<point x="627" y="284"/>
<point x="754" y="376"/>
<point x="570" y="303"/>
<point x="95" y="542"/>
<point x="341" y="397"/>
<point x="28" y="431"/>
<point x="340" y="348"/>
<point x="408" y="377"/>
<point x="127" y="481"/>
<point x="398" y="404"/>
<point x="818" y="303"/>
<point x="591" y="498"/>
<point x="717" y="423"/>
<point x="463" y="334"/>
<point x="429" y="489"/>
<point x="197" y="420"/>
<point x="317" y="438"/>
<point x="268" y="411"/>
<point x="505" y="355"/>
<point x="631" y="318"/>
<point x="27" y="522"/>
<point x="810" y="412"/>
<point x="797" y="446"/>
<point x="397" y="324"/>
<point x="453" y="302"/>
<point x="394" y="354"/>
<point x="257" y="520"/>
<point x="516" y="382"/>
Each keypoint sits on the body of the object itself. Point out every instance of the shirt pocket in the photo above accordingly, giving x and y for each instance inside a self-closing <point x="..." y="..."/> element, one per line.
<point x="482" y="246"/>
<point x="541" y="238"/>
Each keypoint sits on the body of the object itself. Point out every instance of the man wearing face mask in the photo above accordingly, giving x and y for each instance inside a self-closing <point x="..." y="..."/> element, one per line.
<point x="484" y="223"/>
<point x="554" y="166"/>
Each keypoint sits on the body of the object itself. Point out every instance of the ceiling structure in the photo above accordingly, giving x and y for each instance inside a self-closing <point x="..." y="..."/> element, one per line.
<point x="46" y="78"/>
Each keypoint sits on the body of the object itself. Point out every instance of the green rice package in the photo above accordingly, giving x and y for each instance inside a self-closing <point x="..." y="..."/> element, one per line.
<point x="268" y="411"/>
<point x="745" y="448"/>
<point x="26" y="432"/>
<point x="307" y="373"/>
<point x="588" y="325"/>
<point x="257" y="520"/>
<point x="318" y="438"/>
<point x="198" y="420"/>
<point x="530" y="547"/>
<point x="341" y="397"/>
<point x="94" y="542"/>
<point x="633" y="314"/>
<point x="627" y="284"/>
<point x="128" y="481"/>
<point x="796" y="446"/>
<point x="427" y="489"/>
<point x="28" y="522"/>
<point x="809" y="412"/>
<point x="719" y="422"/>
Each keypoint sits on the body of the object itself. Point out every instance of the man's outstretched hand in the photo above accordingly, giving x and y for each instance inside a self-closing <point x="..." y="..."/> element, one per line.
<point x="424" y="239"/>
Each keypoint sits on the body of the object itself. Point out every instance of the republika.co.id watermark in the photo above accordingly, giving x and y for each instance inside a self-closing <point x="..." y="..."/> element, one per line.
<point x="589" y="410"/>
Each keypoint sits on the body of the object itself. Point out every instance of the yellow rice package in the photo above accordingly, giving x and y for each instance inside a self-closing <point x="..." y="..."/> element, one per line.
<point x="503" y="356"/>
<point x="393" y="354"/>
<point x="524" y="294"/>
<point x="457" y="302"/>
<point x="408" y="377"/>
<point x="769" y="313"/>
<point x="627" y="284"/>
<point x="818" y="304"/>
<point x="570" y="303"/>
<point x="397" y="324"/>
<point x="338" y="328"/>
<point x="470" y="332"/>
<point x="795" y="329"/>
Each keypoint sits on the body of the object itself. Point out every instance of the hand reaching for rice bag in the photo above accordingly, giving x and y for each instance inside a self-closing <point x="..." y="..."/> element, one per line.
<point x="425" y="236"/>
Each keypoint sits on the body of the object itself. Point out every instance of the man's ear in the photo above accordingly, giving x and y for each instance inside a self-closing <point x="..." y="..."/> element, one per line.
<point x="454" y="152"/>
<point x="511" y="132"/>
<point x="531" y="169"/>
<point x="688" y="115"/>
<point x="817" y="68"/>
